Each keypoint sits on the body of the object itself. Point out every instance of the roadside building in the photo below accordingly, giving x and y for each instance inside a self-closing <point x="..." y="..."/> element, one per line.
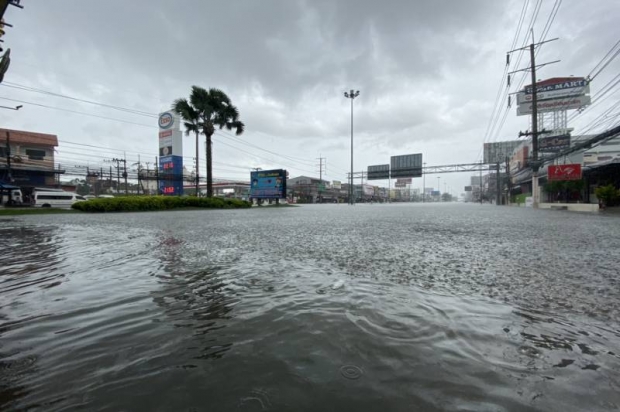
<point x="30" y="156"/>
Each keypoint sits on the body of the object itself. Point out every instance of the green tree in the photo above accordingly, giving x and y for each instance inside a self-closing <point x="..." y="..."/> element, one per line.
<point x="206" y="110"/>
<point x="608" y="194"/>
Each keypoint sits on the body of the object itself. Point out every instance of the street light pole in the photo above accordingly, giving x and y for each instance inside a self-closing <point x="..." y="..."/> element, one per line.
<point x="424" y="184"/>
<point x="351" y="95"/>
<point x="439" y="187"/>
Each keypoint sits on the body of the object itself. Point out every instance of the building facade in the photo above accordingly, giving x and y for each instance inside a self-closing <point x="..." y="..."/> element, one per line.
<point x="27" y="158"/>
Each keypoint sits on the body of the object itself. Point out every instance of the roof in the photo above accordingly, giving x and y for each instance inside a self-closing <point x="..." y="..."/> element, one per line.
<point x="25" y="137"/>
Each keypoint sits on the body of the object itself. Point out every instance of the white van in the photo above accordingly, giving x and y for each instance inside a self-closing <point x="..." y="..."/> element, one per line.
<point x="56" y="198"/>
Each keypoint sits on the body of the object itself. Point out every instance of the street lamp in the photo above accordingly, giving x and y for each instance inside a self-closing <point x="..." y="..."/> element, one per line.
<point x="424" y="184"/>
<point x="439" y="187"/>
<point x="351" y="95"/>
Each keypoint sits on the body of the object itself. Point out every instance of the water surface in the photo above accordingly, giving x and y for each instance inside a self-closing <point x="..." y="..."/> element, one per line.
<point x="321" y="307"/>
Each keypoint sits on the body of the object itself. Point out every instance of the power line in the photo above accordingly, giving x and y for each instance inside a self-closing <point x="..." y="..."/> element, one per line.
<point x="76" y="112"/>
<point x="49" y="93"/>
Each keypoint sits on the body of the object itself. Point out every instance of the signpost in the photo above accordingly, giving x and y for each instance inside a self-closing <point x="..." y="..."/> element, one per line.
<point x="564" y="172"/>
<point x="170" y="155"/>
<point x="553" y="105"/>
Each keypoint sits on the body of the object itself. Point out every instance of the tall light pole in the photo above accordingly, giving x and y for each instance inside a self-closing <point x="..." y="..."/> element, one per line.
<point x="351" y="95"/>
<point x="424" y="184"/>
<point x="439" y="187"/>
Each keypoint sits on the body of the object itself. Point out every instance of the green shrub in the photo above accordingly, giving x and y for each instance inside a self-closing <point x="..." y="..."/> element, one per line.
<point x="608" y="194"/>
<point x="153" y="203"/>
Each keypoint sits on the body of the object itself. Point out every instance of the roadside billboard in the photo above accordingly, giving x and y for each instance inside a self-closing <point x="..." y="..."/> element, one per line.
<point x="435" y="193"/>
<point x="400" y="184"/>
<point x="406" y="165"/>
<point x="553" y="105"/>
<point x="368" y="190"/>
<point x="554" y="143"/>
<point x="498" y="151"/>
<point x="336" y="184"/>
<point x="564" y="172"/>
<point x="406" y="181"/>
<point x="557" y="85"/>
<point x="378" y="172"/>
<point x="268" y="184"/>
<point x="468" y="188"/>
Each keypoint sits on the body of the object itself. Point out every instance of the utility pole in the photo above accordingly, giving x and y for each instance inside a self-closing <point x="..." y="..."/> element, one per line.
<point x="321" y="166"/>
<point x="8" y="157"/>
<point x="534" y="133"/>
<point x="480" y="184"/>
<point x="351" y="95"/>
<point x="497" y="186"/>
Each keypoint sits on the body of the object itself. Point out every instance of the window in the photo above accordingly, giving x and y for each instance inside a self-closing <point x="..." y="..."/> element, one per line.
<point x="35" y="154"/>
<point x="54" y="197"/>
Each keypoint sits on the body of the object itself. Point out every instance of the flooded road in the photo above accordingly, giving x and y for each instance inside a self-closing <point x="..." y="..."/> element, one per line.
<point x="314" y="308"/>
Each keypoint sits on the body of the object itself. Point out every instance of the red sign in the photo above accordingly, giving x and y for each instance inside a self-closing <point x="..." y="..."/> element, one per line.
<point x="165" y="134"/>
<point x="564" y="172"/>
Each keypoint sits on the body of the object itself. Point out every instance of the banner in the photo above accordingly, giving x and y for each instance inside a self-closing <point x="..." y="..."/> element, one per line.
<point x="564" y="172"/>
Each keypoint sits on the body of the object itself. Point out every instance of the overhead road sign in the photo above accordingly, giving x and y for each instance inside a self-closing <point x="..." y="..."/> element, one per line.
<point x="406" y="165"/>
<point x="378" y="172"/>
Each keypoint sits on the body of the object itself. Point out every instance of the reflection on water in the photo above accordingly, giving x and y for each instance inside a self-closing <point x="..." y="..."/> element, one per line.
<point x="397" y="307"/>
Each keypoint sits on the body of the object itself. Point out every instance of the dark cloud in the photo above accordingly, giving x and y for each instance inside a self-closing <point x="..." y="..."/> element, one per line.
<point x="428" y="71"/>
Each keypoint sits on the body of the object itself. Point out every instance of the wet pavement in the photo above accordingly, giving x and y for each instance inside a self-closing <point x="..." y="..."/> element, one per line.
<point x="319" y="307"/>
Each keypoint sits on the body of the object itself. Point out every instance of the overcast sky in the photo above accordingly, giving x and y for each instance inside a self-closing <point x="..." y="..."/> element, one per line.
<point x="428" y="74"/>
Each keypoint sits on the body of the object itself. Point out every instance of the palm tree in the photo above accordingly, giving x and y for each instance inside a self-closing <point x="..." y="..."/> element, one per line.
<point x="190" y="120"/>
<point x="206" y="110"/>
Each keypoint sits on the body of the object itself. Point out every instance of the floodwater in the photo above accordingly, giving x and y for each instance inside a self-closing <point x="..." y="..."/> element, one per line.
<point x="316" y="308"/>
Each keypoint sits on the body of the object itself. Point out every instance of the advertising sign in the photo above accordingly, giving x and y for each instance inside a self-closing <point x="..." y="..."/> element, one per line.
<point x="400" y="184"/>
<point x="336" y="184"/>
<point x="557" y="84"/>
<point x="468" y="188"/>
<point x="369" y="190"/>
<point x="523" y="97"/>
<point x="170" y="135"/>
<point x="171" y="175"/>
<point x="378" y="172"/>
<point x="435" y="193"/>
<point x="554" y="143"/>
<point x="564" y="172"/>
<point x="406" y="181"/>
<point x="406" y="165"/>
<point x="268" y="184"/>
<point x="497" y="151"/>
<point x="553" y="105"/>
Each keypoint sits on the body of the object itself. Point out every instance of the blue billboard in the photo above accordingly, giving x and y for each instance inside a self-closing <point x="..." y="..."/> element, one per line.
<point x="171" y="175"/>
<point x="435" y="193"/>
<point x="268" y="184"/>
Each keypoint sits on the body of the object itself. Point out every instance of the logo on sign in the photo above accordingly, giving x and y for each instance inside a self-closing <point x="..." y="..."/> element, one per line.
<point x="166" y="120"/>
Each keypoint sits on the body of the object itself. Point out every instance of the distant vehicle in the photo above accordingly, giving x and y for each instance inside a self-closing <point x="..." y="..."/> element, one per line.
<point x="56" y="198"/>
<point x="14" y="196"/>
<point x="106" y="196"/>
<point x="88" y="197"/>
